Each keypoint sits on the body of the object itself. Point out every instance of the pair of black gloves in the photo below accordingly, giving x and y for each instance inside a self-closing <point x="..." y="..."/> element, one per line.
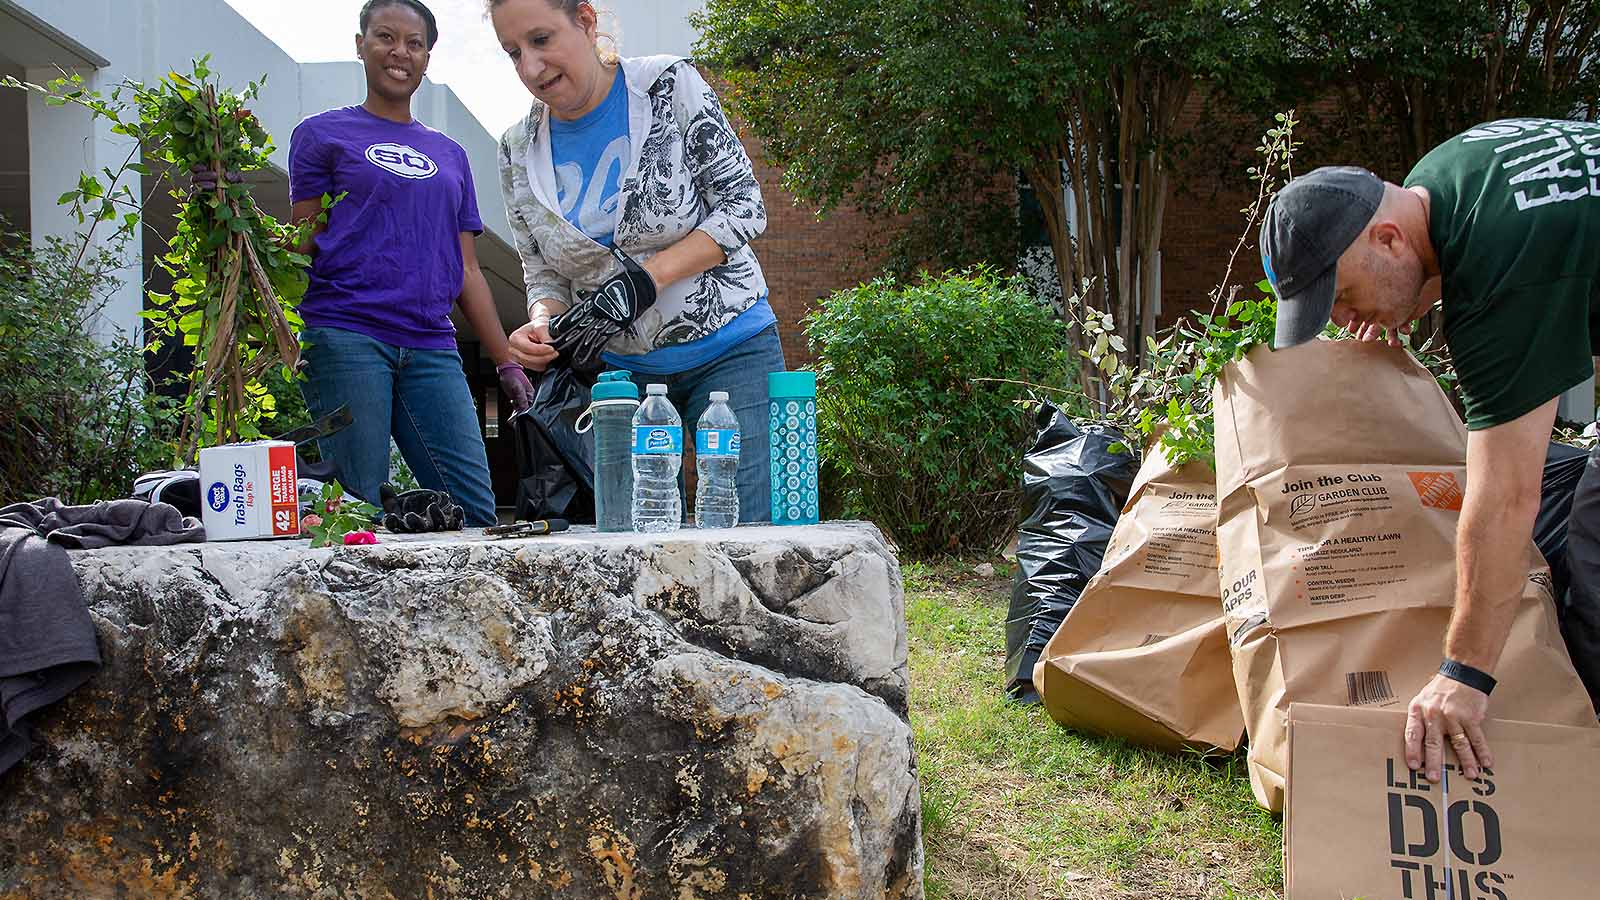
<point x="418" y="511"/>
<point x="581" y="333"/>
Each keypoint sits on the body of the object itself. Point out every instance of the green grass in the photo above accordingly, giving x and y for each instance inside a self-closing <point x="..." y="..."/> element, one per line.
<point x="1014" y="806"/>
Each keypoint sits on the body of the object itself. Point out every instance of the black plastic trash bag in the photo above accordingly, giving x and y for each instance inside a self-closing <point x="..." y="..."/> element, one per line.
<point x="1563" y="467"/>
<point x="555" y="463"/>
<point x="1578" y="607"/>
<point x="1074" y="487"/>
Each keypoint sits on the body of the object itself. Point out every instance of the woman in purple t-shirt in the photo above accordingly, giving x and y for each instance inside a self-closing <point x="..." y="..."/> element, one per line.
<point x="395" y="255"/>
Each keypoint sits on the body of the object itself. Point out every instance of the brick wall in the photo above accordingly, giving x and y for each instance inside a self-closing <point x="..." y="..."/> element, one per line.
<point x="805" y="259"/>
<point x="1203" y="221"/>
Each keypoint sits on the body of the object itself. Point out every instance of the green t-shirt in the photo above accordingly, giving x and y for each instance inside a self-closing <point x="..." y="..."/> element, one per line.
<point x="1515" y="221"/>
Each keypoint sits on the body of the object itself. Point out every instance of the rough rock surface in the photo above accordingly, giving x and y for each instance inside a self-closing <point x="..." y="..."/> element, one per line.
<point x="698" y="715"/>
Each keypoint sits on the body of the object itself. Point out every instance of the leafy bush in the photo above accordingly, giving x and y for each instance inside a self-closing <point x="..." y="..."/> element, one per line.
<point x="78" y="418"/>
<point x="922" y="396"/>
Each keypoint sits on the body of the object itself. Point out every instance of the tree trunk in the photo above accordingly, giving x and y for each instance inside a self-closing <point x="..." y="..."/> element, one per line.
<point x="1128" y="109"/>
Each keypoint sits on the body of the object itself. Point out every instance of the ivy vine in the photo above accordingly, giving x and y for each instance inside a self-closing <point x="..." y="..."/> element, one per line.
<point x="237" y="273"/>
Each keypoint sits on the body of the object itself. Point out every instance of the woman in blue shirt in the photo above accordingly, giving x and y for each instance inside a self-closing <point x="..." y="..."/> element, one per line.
<point x="635" y="155"/>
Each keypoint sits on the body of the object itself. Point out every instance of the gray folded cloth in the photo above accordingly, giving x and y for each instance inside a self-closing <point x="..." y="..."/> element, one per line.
<point x="47" y="640"/>
<point x="107" y="523"/>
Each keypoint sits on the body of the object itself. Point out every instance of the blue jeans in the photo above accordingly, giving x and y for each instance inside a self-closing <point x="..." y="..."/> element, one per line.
<point x="742" y="372"/>
<point x="420" y="397"/>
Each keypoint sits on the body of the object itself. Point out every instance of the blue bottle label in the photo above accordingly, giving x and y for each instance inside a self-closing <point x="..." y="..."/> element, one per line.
<point x="717" y="442"/>
<point x="660" y="439"/>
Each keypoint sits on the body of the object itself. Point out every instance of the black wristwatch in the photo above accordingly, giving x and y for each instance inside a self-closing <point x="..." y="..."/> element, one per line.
<point x="1467" y="675"/>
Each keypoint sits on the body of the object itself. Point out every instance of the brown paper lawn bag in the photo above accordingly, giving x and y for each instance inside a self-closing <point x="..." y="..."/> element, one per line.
<point x="1340" y="468"/>
<point x="1143" y="654"/>
<point x="1360" y="824"/>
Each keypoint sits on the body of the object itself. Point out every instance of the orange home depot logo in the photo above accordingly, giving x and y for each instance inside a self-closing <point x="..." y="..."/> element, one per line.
<point x="1439" y="490"/>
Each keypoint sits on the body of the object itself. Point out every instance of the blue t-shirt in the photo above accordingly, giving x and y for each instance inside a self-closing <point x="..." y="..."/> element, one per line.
<point x="676" y="358"/>
<point x="389" y="264"/>
<point x="590" y="155"/>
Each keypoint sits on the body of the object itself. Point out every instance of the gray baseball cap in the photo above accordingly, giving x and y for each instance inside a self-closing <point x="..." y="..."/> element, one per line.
<point x="1308" y="226"/>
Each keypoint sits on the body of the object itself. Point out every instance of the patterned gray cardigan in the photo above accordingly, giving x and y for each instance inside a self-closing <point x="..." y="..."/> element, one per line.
<point x="688" y="172"/>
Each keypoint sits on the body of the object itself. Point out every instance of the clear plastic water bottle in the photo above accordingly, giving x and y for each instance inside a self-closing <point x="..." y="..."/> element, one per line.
<point x="716" y="460"/>
<point x="657" y="454"/>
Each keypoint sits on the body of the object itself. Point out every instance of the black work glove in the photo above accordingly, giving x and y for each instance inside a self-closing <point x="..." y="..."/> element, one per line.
<point x="581" y="332"/>
<point x="416" y="511"/>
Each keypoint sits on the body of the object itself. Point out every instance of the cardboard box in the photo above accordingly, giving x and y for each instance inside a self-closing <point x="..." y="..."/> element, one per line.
<point x="249" y="491"/>
<point x="1143" y="655"/>
<point x="1359" y="823"/>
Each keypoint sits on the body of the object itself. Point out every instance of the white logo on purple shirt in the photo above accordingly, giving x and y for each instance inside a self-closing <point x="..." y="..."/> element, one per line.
<point x="402" y="160"/>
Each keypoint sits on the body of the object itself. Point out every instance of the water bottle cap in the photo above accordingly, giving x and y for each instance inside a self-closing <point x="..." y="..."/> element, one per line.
<point x="792" y="384"/>
<point x="655" y="390"/>
<point x="614" y="386"/>
<point x="719" y="396"/>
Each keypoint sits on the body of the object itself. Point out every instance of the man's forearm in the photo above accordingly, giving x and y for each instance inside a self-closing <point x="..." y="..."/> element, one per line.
<point x="1491" y="567"/>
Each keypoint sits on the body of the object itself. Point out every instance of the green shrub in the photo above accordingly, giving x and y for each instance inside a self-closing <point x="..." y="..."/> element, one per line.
<point x="921" y="402"/>
<point x="78" y="418"/>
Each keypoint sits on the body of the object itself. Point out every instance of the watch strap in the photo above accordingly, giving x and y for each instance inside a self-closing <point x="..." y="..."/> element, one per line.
<point x="1467" y="675"/>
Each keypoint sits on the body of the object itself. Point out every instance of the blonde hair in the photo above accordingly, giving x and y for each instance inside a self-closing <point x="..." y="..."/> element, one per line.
<point x="608" y="39"/>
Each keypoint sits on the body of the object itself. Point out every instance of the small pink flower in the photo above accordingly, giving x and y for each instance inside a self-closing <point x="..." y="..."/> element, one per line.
<point x="310" y="521"/>
<point x="360" y="537"/>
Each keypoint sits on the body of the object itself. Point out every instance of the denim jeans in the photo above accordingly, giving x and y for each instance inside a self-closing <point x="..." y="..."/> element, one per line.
<point x="742" y="372"/>
<point x="420" y="397"/>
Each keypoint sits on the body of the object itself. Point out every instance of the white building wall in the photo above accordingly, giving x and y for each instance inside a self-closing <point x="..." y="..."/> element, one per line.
<point x="145" y="39"/>
<point x="64" y="142"/>
<point x="649" y="27"/>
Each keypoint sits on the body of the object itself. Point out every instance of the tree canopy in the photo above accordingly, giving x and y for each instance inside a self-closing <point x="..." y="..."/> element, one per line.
<point x="926" y="111"/>
<point x="1406" y="75"/>
<point x="923" y="114"/>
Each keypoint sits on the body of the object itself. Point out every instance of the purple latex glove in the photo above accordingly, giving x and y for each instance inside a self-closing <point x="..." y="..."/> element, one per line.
<point x="514" y="381"/>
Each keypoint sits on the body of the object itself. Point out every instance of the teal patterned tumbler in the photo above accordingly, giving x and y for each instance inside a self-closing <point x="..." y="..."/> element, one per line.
<point x="793" y="401"/>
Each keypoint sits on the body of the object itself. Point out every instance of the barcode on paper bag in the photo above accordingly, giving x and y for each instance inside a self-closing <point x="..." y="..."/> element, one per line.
<point x="1368" y="688"/>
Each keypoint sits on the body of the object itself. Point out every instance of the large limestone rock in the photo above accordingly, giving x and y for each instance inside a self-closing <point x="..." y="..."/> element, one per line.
<point x="700" y="715"/>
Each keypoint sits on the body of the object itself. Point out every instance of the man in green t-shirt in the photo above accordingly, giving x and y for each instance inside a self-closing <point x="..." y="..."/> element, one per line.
<point x="1503" y="222"/>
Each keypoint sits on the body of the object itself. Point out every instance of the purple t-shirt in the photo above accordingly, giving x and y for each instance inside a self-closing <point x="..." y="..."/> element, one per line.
<point x="389" y="264"/>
